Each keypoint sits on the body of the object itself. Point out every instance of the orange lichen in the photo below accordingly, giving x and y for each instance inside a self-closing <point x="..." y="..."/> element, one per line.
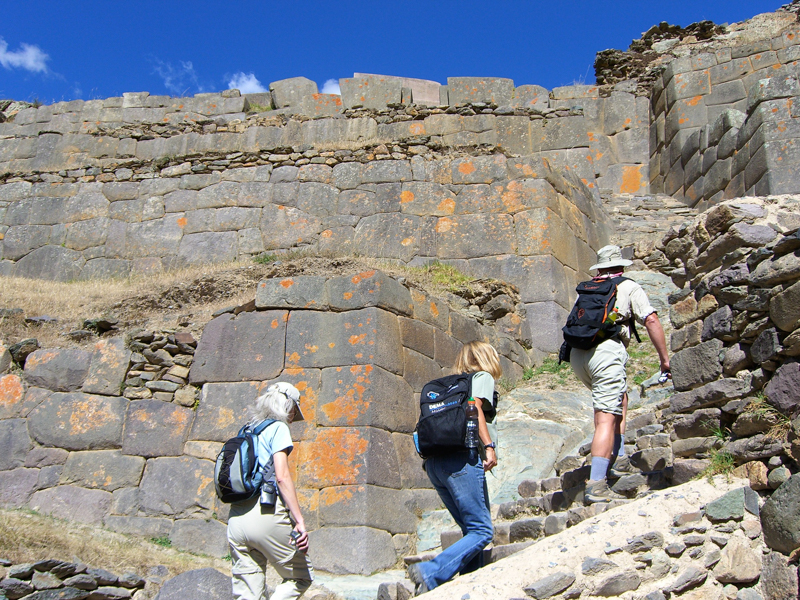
<point x="182" y="222"/>
<point x="11" y="390"/>
<point x="334" y="457"/>
<point x="357" y="339"/>
<point x="406" y="196"/>
<point x="466" y="167"/>
<point x="347" y="295"/>
<point x="632" y="180"/>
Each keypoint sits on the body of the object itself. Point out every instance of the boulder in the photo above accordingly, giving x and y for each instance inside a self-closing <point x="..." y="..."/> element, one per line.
<point x="738" y="562"/>
<point x="695" y="366"/>
<point x="781" y="391"/>
<point x="766" y="346"/>
<point x="551" y="585"/>
<point x="780" y="517"/>
<point x="778" y="578"/>
<point x="107" y="367"/>
<point x="73" y="503"/>
<point x="733" y="505"/>
<point x="344" y="550"/>
<point x="208" y="584"/>
<point x="193" y="534"/>
<point x="59" y="370"/>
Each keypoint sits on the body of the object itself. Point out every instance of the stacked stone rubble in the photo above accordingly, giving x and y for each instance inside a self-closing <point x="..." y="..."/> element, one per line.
<point x="736" y="337"/>
<point x="119" y="436"/>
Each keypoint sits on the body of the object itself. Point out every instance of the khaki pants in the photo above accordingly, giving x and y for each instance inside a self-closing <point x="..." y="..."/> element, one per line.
<point x="602" y="370"/>
<point x="256" y="536"/>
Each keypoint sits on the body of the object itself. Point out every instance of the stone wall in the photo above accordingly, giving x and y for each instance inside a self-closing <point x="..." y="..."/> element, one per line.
<point x="736" y="339"/>
<point x="125" y="434"/>
<point x="722" y="122"/>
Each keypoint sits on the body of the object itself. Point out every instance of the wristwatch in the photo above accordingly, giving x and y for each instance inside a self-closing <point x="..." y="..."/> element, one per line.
<point x="491" y="445"/>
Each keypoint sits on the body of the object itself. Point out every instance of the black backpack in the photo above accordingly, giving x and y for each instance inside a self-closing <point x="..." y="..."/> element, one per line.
<point x="442" y="423"/>
<point x="236" y="473"/>
<point x="587" y="323"/>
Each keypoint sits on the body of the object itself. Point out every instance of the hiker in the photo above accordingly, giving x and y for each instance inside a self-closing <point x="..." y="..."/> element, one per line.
<point x="459" y="477"/>
<point x="602" y="369"/>
<point x="258" y="532"/>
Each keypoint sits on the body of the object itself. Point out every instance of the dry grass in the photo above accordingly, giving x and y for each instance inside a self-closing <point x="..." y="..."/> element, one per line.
<point x="27" y="536"/>
<point x="781" y="423"/>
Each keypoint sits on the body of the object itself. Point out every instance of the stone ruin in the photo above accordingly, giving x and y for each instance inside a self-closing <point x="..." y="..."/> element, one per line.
<point x="504" y="181"/>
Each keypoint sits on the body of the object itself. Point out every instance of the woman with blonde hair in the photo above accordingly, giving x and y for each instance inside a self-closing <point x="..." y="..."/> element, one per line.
<point x="460" y="478"/>
<point x="271" y="528"/>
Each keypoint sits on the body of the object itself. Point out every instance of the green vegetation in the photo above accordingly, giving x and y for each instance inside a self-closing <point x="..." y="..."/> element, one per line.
<point x="722" y="463"/>
<point x="560" y="373"/>
<point x="265" y="258"/>
<point x="723" y="434"/>
<point x="781" y="424"/>
<point x="642" y="362"/>
<point x="162" y="541"/>
<point x="258" y="108"/>
<point x="442" y="276"/>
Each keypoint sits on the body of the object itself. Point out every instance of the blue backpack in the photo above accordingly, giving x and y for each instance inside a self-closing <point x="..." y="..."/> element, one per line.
<point x="236" y="473"/>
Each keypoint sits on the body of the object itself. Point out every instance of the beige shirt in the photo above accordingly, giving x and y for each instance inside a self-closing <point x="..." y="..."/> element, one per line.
<point x="631" y="299"/>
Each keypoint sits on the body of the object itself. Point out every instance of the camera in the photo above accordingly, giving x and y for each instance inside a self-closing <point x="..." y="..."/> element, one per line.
<point x="269" y="493"/>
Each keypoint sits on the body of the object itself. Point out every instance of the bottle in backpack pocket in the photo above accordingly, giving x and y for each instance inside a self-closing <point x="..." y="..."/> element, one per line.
<point x="471" y="438"/>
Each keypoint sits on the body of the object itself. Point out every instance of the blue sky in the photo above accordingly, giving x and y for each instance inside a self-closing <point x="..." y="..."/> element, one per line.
<point x="54" y="51"/>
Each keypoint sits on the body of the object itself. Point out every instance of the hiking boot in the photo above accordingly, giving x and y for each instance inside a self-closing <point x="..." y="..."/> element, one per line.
<point x="415" y="575"/>
<point x="598" y="491"/>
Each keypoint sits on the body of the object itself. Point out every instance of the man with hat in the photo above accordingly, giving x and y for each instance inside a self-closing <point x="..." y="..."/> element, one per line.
<point x="602" y="369"/>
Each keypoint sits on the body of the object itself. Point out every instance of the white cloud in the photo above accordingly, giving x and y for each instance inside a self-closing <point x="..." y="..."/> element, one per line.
<point x="178" y="80"/>
<point x="30" y="58"/>
<point x="246" y="83"/>
<point x="331" y="86"/>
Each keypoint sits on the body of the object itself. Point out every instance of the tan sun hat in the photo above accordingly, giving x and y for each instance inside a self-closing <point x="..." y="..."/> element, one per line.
<point x="610" y="256"/>
<point x="291" y="392"/>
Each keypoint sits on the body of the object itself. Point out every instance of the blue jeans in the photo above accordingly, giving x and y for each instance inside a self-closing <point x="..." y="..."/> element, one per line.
<point x="460" y="480"/>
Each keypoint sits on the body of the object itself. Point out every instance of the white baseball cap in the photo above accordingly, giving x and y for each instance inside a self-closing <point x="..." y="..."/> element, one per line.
<point x="291" y="392"/>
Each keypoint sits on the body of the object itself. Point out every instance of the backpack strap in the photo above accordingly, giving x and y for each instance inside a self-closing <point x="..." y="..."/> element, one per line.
<point x="269" y="470"/>
<point x="631" y="321"/>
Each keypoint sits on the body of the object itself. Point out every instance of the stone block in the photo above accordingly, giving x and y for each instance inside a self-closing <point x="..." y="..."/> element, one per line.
<point x="456" y="236"/>
<point x="14" y="401"/>
<point x="72" y="503"/>
<point x="758" y="447"/>
<point x="524" y="529"/>
<point x="695" y="366"/>
<point x="367" y="336"/>
<point x="17" y="486"/>
<point x="245" y="347"/>
<point x="345" y="550"/>
<point x="21" y="239"/>
<point x="784" y="308"/>
<point x="766" y="346"/>
<point x="107" y="470"/>
<point x="364" y="395"/>
<point x="290" y="92"/>
<point x="348" y="456"/>
<point x="689" y="310"/>
<point x="685" y="114"/>
<point x="541" y="231"/>
<point x="77" y="421"/>
<point x="652" y="459"/>
<point x="430" y="309"/>
<point x="222" y="410"/>
<point x="718" y="324"/>
<point x="177" y="487"/>
<point x="15" y="443"/>
<point x="412" y="475"/>
<point x="693" y="446"/>
<point x="52" y="263"/>
<point x="701" y="422"/>
<point x="155" y="428"/>
<point x="208" y="247"/>
<point x="419" y="369"/>
<point x="575" y="91"/>
<point x="781" y="391"/>
<point x="367" y="505"/>
<point x="370" y="92"/>
<point x="321" y="105"/>
<point x="160" y="237"/>
<point x="771" y="272"/>
<point x="391" y="236"/>
<point x="208" y="534"/>
<point x="689" y="85"/>
<point x="469" y="90"/>
<point x="107" y="367"/>
<point x="531" y="96"/>
<point x="446" y="348"/>
<point x="306" y="292"/>
<point x="559" y="134"/>
<point x="105" y="268"/>
<point x="417" y="336"/>
<point x="368" y="288"/>
<point x="198" y="583"/>
<point x="686" y="336"/>
<point x="150" y="527"/>
<point x="714" y="393"/>
<point x="551" y="585"/>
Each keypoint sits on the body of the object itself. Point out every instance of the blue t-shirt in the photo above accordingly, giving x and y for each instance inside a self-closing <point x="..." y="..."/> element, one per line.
<point x="274" y="438"/>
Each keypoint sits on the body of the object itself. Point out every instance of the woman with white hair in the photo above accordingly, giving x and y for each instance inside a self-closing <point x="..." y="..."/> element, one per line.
<point x="259" y="532"/>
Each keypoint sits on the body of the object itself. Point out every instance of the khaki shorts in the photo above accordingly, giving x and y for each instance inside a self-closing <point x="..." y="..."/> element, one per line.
<point x="602" y="369"/>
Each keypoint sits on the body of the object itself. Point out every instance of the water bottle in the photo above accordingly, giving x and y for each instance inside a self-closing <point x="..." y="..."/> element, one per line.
<point x="471" y="439"/>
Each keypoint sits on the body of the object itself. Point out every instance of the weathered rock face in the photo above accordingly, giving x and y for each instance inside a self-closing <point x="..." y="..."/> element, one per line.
<point x="780" y="517"/>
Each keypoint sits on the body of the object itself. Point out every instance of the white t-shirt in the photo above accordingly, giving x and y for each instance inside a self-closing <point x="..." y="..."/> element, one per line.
<point x="631" y="299"/>
<point x="483" y="387"/>
<point x="274" y="438"/>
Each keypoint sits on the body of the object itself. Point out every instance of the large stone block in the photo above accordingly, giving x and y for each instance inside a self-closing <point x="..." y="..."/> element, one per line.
<point x="366" y="395"/>
<point x="283" y="226"/>
<point x="771" y="272"/>
<point x="538" y="278"/>
<point x="223" y="409"/>
<point x="419" y="369"/>
<point x="52" y="263"/>
<point x="368" y="288"/>
<point x="370" y="92"/>
<point x="348" y="456"/>
<point x="19" y="240"/>
<point x="307" y="292"/>
<point x="155" y="428"/>
<point x="160" y="237"/>
<point x="177" y="487"/>
<point x="367" y="505"/>
<point x="425" y="198"/>
<point x="695" y="366"/>
<point x="107" y="470"/>
<point x="150" y="527"/>
<point x="360" y="550"/>
<point x="17" y="486"/>
<point x="391" y="236"/>
<point x="457" y="236"/>
<point x="559" y="134"/>
<point x="14" y="401"/>
<point x="543" y="325"/>
<point x="417" y="336"/>
<point x="321" y="105"/>
<point x="412" y="475"/>
<point x="464" y="90"/>
<point x="72" y="503"/>
<point x="531" y="96"/>
<point x="358" y="337"/>
<point x="77" y="421"/>
<point x="107" y="368"/>
<point x="245" y="347"/>
<point x="687" y="85"/>
<point x="205" y="583"/>
<point x="15" y="443"/>
<point x="208" y="247"/>
<point x="191" y="534"/>
<point x="541" y="231"/>
<point x="290" y="92"/>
